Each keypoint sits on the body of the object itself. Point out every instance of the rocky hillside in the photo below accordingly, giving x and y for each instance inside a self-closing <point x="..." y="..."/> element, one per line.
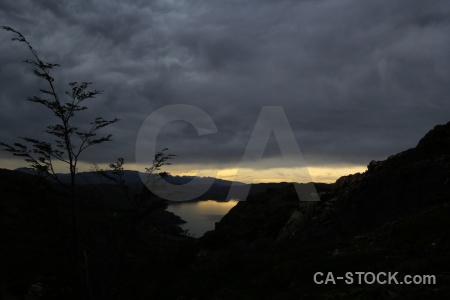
<point x="406" y="183"/>
<point x="394" y="217"/>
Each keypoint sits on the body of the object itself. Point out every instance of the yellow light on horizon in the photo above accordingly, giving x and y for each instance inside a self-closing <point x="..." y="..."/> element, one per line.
<point x="325" y="174"/>
<point x="332" y="173"/>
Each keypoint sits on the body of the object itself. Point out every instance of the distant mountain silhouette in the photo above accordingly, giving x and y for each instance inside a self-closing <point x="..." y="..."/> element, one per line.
<point x="129" y="176"/>
<point x="218" y="191"/>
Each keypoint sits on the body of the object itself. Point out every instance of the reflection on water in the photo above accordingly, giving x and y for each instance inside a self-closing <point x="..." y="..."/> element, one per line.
<point x="201" y="216"/>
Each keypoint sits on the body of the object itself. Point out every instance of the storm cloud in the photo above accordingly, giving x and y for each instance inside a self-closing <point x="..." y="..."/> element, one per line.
<point x="358" y="80"/>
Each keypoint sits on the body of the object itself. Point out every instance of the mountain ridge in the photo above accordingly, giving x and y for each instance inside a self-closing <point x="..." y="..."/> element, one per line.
<point x="407" y="182"/>
<point x="129" y="176"/>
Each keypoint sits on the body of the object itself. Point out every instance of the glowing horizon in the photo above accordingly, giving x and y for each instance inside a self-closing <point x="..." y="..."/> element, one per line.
<point x="324" y="174"/>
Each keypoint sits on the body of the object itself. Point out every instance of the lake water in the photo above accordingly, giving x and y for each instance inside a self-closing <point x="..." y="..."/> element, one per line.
<point x="201" y="216"/>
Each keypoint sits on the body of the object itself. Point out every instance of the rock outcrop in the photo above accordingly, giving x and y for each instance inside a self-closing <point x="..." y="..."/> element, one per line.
<point x="405" y="183"/>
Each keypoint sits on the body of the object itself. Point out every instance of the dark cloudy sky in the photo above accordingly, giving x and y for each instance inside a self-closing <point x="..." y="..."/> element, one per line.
<point x="358" y="80"/>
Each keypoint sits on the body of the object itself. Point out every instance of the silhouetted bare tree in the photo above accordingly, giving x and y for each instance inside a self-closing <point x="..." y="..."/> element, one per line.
<point x="70" y="140"/>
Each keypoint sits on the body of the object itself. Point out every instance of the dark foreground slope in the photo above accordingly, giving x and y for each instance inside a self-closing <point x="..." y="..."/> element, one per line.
<point x="123" y="251"/>
<point x="393" y="217"/>
<point x="410" y="182"/>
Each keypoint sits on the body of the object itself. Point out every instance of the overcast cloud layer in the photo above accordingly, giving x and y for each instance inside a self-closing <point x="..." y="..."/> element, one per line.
<point x="358" y="80"/>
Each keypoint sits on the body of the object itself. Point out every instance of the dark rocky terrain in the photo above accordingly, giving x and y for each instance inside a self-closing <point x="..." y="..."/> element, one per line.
<point x="395" y="217"/>
<point x="409" y="183"/>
